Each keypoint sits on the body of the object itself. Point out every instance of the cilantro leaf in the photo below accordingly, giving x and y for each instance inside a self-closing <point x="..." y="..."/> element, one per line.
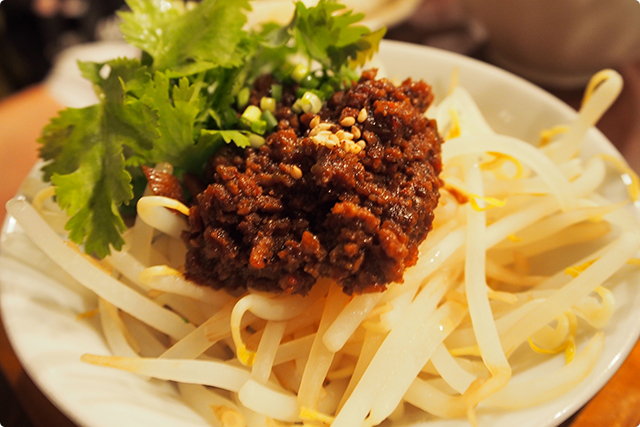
<point x="329" y="37"/>
<point x="177" y="108"/>
<point x="64" y="137"/>
<point x="367" y="47"/>
<point x="136" y="121"/>
<point x="89" y="150"/>
<point x="228" y="82"/>
<point x="239" y="138"/>
<point x="92" y="186"/>
<point x="184" y="42"/>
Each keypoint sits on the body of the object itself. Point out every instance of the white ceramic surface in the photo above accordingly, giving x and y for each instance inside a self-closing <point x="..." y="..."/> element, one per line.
<point x="40" y="308"/>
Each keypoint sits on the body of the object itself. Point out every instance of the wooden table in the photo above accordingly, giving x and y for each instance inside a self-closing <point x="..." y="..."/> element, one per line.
<point x="617" y="404"/>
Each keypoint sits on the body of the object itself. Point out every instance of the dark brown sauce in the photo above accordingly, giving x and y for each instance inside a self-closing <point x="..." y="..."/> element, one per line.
<point x="279" y="217"/>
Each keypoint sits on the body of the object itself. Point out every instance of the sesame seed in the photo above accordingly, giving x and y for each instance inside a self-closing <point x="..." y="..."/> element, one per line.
<point x="348" y="121"/>
<point x="344" y="135"/>
<point x="355" y="130"/>
<point x="361" y="144"/>
<point x="314" y="122"/>
<point x="356" y="149"/>
<point x="321" y="134"/>
<point x="295" y="172"/>
<point x="329" y="143"/>
<point x="318" y="131"/>
<point x="362" y="116"/>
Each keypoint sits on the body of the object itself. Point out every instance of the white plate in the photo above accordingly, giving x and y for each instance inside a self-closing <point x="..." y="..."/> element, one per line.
<point x="39" y="310"/>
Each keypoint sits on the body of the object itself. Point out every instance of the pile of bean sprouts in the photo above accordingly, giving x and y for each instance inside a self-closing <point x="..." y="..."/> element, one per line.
<point x="440" y="342"/>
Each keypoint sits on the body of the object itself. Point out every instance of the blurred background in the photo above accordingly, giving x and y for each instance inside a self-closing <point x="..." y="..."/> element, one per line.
<point x="556" y="44"/>
<point x="34" y="32"/>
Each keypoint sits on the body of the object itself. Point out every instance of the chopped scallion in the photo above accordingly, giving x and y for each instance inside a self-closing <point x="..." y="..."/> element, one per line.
<point x="299" y="72"/>
<point x="310" y="81"/>
<point x="252" y="113"/>
<point x="310" y="102"/>
<point x="268" y="117"/>
<point x="268" y="104"/>
<point x="256" y="141"/>
<point x="276" y="92"/>
<point x="327" y="90"/>
<point x="249" y="116"/>
<point x="259" y="126"/>
<point x="301" y="92"/>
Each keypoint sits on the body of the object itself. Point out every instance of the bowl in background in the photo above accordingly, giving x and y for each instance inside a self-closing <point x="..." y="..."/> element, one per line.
<point x="559" y="43"/>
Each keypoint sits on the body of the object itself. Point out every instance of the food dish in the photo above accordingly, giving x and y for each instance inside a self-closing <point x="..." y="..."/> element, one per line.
<point x="39" y="312"/>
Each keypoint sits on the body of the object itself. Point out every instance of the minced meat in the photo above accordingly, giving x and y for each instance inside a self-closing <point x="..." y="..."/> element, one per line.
<point x="299" y="208"/>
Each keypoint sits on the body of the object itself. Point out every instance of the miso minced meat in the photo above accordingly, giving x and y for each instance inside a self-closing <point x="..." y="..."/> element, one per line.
<point x="347" y="193"/>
